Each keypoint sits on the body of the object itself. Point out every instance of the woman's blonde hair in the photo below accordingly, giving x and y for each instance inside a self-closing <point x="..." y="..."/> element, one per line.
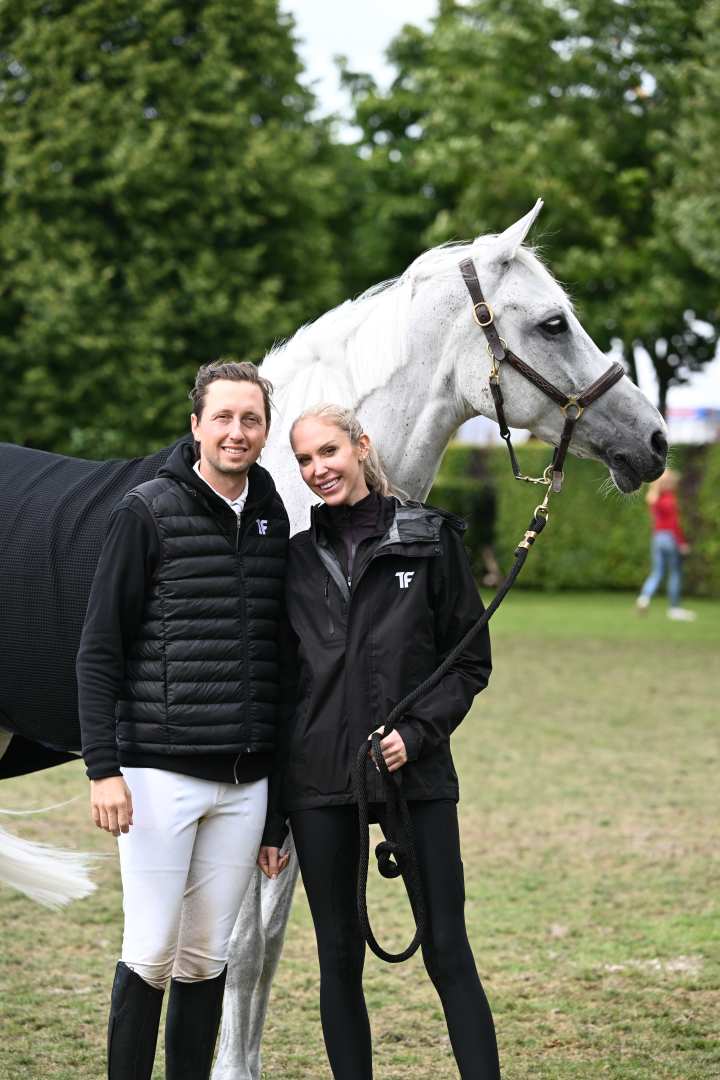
<point x="375" y="476"/>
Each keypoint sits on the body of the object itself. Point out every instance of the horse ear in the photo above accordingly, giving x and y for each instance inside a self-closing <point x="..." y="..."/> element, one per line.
<point x="505" y="245"/>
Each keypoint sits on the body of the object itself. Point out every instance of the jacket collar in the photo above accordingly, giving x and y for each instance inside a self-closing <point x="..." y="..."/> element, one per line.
<point x="179" y="466"/>
<point x="368" y="512"/>
<point x="412" y="523"/>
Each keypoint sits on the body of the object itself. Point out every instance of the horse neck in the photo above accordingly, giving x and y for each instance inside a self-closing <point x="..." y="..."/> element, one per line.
<point x="413" y="416"/>
<point x="410" y="415"/>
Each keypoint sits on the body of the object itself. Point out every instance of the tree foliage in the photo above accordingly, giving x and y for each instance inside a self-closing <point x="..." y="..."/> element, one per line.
<point x="165" y="199"/>
<point x="504" y="100"/>
<point x="692" y="202"/>
<point x="167" y="194"/>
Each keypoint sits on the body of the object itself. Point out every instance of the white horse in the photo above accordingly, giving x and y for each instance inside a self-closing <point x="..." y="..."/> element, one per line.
<point x="409" y="358"/>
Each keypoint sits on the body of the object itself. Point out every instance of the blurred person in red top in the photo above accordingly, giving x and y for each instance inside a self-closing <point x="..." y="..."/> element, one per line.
<point x="668" y="545"/>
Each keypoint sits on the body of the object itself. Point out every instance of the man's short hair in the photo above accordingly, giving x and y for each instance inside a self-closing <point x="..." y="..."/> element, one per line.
<point x="235" y="371"/>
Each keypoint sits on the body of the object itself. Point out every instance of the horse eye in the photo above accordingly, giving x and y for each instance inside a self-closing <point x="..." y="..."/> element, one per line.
<point x="556" y="325"/>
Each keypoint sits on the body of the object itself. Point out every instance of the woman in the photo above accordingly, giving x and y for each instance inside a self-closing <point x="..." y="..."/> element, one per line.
<point x="377" y="594"/>
<point x="668" y="545"/>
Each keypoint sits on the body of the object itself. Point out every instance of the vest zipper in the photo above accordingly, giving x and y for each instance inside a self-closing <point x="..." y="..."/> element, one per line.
<point x="245" y="642"/>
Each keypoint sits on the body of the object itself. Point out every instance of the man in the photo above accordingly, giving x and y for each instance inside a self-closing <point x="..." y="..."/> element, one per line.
<point x="177" y="684"/>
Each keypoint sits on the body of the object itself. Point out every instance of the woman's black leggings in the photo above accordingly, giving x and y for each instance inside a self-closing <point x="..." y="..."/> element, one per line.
<point x="327" y="847"/>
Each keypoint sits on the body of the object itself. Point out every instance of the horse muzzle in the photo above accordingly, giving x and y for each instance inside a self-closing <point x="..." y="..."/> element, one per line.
<point x="629" y="468"/>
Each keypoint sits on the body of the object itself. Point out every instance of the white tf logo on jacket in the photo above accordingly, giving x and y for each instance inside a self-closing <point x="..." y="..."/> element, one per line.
<point x="404" y="578"/>
<point x="262" y="526"/>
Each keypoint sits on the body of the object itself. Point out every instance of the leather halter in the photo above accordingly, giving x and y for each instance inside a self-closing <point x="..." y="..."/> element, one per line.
<point x="572" y="405"/>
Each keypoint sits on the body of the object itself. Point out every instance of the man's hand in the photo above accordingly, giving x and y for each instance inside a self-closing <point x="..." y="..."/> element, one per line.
<point x="272" y="861"/>
<point x="111" y="804"/>
<point x="393" y="750"/>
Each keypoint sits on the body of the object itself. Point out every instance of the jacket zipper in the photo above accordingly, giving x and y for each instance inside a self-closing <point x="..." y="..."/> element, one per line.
<point x="331" y="624"/>
<point x="353" y="549"/>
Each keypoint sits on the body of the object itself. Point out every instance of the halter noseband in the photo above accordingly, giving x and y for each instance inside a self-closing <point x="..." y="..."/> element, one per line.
<point x="572" y="405"/>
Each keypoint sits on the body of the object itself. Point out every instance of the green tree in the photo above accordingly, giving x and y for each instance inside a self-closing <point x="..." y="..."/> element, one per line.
<point x="165" y="199"/>
<point x="504" y="100"/>
<point x="693" y="202"/>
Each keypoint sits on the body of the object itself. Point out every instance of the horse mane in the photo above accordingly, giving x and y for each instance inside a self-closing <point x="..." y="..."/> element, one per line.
<point x="356" y="347"/>
<point x="322" y="359"/>
<point x="344" y="354"/>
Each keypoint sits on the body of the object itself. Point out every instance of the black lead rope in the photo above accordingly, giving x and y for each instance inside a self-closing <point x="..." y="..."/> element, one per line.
<point x="395" y="854"/>
<point x="399" y="844"/>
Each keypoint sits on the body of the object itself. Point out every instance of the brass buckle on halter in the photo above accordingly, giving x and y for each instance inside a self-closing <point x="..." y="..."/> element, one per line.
<point x="572" y="403"/>
<point x="490" y="318"/>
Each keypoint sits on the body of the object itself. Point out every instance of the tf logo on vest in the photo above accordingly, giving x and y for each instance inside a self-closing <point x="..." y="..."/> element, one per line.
<point x="404" y="578"/>
<point x="262" y="526"/>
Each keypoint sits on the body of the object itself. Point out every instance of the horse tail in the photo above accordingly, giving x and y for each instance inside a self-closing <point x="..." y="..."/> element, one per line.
<point x="49" y="875"/>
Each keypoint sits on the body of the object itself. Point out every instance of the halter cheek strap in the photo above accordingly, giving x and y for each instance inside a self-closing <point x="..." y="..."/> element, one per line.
<point x="572" y="405"/>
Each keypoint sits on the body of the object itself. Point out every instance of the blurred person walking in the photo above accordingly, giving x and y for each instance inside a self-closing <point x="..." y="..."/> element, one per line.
<point x="668" y="545"/>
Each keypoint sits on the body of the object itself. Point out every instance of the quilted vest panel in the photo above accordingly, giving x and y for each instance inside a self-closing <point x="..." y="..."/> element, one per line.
<point x="201" y="675"/>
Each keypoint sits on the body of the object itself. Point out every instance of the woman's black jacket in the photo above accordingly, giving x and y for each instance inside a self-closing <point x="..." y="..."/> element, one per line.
<point x="361" y="647"/>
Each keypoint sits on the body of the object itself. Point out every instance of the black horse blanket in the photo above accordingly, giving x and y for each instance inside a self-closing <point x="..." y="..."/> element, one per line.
<point x="53" y="517"/>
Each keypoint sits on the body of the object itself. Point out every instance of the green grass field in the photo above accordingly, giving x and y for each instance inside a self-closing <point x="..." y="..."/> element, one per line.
<point x="590" y="796"/>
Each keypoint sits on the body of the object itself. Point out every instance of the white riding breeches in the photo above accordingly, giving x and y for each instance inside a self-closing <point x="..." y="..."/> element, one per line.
<point x="186" y="864"/>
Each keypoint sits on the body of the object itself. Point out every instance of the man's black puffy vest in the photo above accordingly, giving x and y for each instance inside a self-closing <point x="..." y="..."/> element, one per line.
<point x="202" y="674"/>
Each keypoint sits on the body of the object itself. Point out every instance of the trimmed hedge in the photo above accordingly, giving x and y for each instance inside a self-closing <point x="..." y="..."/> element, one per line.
<point x="595" y="538"/>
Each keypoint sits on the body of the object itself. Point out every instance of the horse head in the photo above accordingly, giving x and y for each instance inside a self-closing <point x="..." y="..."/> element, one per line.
<point x="535" y="317"/>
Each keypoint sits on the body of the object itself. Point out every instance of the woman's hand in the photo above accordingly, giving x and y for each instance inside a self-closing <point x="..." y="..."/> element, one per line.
<point x="272" y="861"/>
<point x="111" y="804"/>
<point x="393" y="749"/>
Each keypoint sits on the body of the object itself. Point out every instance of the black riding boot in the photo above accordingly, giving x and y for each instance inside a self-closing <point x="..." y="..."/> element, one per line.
<point x="135" y="1008"/>
<point x="191" y="1027"/>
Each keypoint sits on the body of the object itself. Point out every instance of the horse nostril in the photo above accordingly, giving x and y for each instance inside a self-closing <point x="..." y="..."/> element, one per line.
<point x="620" y="461"/>
<point x="659" y="444"/>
